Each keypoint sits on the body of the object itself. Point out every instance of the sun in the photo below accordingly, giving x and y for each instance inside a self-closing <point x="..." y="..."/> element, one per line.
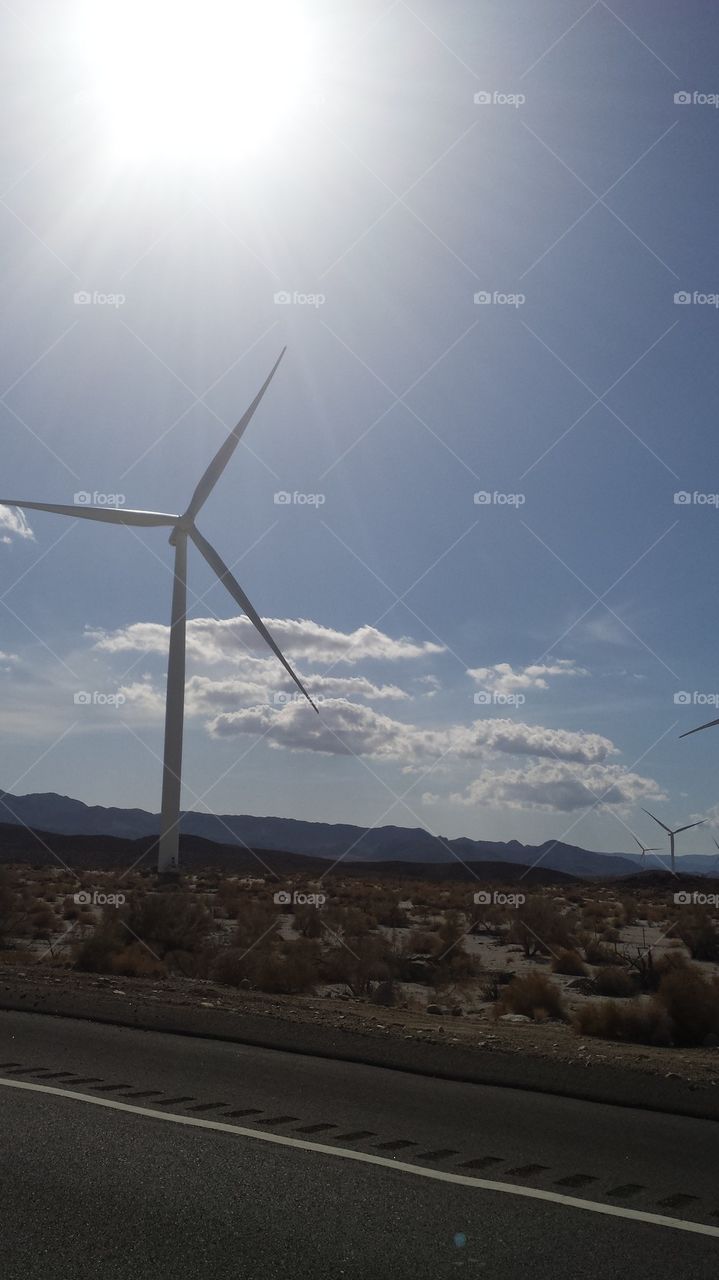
<point x="195" y="80"/>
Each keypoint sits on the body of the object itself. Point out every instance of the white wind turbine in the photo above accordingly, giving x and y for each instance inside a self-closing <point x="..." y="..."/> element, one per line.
<point x="183" y="527"/>
<point x="645" y="848"/>
<point x="675" y="832"/>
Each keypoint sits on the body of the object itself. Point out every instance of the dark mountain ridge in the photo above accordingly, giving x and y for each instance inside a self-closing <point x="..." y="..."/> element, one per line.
<point x="63" y="815"/>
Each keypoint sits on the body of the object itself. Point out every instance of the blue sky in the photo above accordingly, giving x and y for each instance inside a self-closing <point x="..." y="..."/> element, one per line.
<point x="501" y="668"/>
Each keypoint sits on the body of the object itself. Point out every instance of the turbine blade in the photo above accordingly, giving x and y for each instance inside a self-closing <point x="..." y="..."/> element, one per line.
<point x="715" y="841"/>
<point x="110" y="515"/>
<point x="661" y="824"/>
<point x="689" y="825"/>
<point x="699" y="727"/>
<point x="225" y="452"/>
<point x="634" y="838"/>
<point x="235" y="590"/>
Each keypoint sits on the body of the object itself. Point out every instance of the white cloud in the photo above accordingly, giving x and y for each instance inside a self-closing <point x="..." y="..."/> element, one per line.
<point x="430" y="684"/>
<point x="13" y="524"/>
<point x="349" y="728"/>
<point x="343" y="728"/>
<point x="234" y="639"/>
<point x="143" y="697"/>
<point x="204" y="696"/>
<point x="515" y="738"/>
<point x="558" y="786"/>
<point x="502" y="678"/>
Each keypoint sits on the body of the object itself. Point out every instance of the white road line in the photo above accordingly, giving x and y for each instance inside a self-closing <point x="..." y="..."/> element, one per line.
<point x="343" y="1153"/>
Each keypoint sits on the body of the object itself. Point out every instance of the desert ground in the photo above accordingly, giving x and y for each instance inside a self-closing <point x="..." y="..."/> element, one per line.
<point x="627" y="971"/>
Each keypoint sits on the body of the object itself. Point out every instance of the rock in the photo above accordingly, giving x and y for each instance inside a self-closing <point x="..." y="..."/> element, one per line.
<point x="433" y="1008"/>
<point x="245" y="984"/>
<point x="514" y="1017"/>
<point x="457" y="1011"/>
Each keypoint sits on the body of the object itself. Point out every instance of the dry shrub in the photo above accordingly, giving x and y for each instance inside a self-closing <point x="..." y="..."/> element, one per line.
<point x="569" y="963"/>
<point x="493" y="982"/>
<point x="613" y="981"/>
<point x="285" y="968"/>
<point x="18" y="956"/>
<point x="95" y="954"/>
<point x="692" y="1003"/>
<point x="359" y="964"/>
<point x="638" y="1021"/>
<point x="699" y="934"/>
<point x="684" y="1011"/>
<point x="170" y="929"/>
<point x="391" y="915"/>
<point x="135" y="961"/>
<point x="385" y="994"/>
<point x="534" y="995"/>
<point x="539" y="927"/>
<point x="308" y="922"/>
<point x="421" y="942"/>
<point x="596" y="953"/>
<point x="9" y="903"/>
<point x="168" y="922"/>
<point x="629" y="910"/>
<point x="288" y="969"/>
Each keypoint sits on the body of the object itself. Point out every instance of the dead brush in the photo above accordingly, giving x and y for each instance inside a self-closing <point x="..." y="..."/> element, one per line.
<point x="534" y="995"/>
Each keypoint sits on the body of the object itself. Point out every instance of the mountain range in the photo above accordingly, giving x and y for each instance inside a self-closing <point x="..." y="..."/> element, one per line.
<point x="48" y="812"/>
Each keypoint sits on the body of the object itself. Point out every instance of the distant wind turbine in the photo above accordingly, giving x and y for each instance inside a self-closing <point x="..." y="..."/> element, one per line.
<point x="645" y="848"/>
<point x="183" y="527"/>
<point x="675" y="832"/>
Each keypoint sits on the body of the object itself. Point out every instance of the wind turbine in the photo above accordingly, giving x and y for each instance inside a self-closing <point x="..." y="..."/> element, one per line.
<point x="183" y="527"/>
<point x="675" y="832"/>
<point x="645" y="848"/>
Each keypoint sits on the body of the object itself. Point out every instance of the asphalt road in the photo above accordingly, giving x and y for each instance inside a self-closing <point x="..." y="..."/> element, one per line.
<point x="365" y="1187"/>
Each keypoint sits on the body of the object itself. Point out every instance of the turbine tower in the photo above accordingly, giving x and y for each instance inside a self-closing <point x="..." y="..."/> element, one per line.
<point x="645" y="848"/>
<point x="675" y="832"/>
<point x="183" y="527"/>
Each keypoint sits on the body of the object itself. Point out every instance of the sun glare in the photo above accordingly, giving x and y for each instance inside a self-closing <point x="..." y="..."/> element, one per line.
<point x="195" y="80"/>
